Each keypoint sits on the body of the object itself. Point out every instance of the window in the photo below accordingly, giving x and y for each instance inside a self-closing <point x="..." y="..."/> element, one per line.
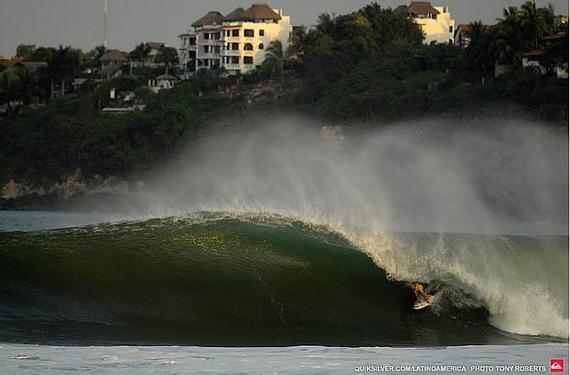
<point x="206" y="36"/>
<point x="216" y="36"/>
<point x="192" y="41"/>
<point x="205" y="49"/>
<point x="261" y="32"/>
<point x="217" y="49"/>
<point x="235" y="60"/>
<point x="248" y="47"/>
<point x="248" y="60"/>
<point x="235" y="32"/>
<point x="235" y="46"/>
<point x="261" y="46"/>
<point x="450" y="29"/>
<point x="248" y="33"/>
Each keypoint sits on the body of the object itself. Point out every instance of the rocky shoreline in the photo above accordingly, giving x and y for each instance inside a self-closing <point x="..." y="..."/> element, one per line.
<point x="72" y="192"/>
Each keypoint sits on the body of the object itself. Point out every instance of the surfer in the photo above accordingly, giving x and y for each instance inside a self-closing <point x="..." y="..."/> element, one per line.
<point x="420" y="293"/>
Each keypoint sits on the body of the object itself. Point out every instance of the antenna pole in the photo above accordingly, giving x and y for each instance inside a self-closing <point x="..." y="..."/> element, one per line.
<point x="105" y="15"/>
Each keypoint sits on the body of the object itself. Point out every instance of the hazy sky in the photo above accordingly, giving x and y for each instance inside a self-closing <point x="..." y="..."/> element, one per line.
<point x="80" y="22"/>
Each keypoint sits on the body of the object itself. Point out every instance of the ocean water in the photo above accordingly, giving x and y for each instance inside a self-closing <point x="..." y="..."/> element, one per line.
<point x="491" y="359"/>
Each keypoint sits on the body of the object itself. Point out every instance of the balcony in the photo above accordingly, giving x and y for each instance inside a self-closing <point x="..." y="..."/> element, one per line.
<point x="210" y="42"/>
<point x="231" y="66"/>
<point x="231" y="52"/>
<point x="209" y="55"/>
<point x="230" y="39"/>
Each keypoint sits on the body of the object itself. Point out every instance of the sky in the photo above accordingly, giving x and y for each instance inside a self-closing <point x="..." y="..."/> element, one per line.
<point x="79" y="23"/>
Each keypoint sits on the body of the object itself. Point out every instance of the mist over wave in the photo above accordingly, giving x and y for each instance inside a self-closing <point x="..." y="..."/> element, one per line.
<point x="490" y="176"/>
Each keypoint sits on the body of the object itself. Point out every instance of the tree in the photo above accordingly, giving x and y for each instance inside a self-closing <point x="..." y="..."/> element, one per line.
<point x="94" y="56"/>
<point x="139" y="53"/>
<point x="533" y="22"/>
<point x="43" y="54"/>
<point x="480" y="55"/>
<point x="25" y="51"/>
<point x="13" y="86"/>
<point x="509" y="37"/>
<point x="392" y="29"/>
<point x="297" y="42"/>
<point x="275" y="59"/>
<point x="167" y="56"/>
<point x="62" y="68"/>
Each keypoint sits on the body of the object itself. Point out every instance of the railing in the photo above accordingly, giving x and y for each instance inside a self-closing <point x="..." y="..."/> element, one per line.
<point x="231" y="52"/>
<point x="231" y="39"/>
<point x="209" y="55"/>
<point x="210" y="42"/>
<point x="231" y="66"/>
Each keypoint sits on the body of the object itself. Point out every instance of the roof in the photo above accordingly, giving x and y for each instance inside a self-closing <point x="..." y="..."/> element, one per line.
<point x="465" y="27"/>
<point x="32" y="66"/>
<point x="401" y="9"/>
<point x="421" y="7"/>
<point x="154" y="45"/>
<point x="110" y="70"/>
<point x="235" y="15"/>
<point x="212" y="18"/>
<point x="558" y="36"/>
<point x="166" y="77"/>
<point x="260" y="12"/>
<point x="535" y="53"/>
<point x="114" y="55"/>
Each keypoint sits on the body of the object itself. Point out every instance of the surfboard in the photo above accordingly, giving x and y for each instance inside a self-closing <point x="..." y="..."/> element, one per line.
<point x="422" y="304"/>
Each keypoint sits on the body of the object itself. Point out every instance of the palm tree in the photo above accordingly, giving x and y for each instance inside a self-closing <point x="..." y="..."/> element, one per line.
<point x="532" y="23"/>
<point x="275" y="59"/>
<point x="480" y="52"/>
<point x="13" y="86"/>
<point x="62" y="67"/>
<point x="168" y="56"/>
<point x="326" y="23"/>
<point x="139" y="53"/>
<point x="297" y="42"/>
<point x="510" y="41"/>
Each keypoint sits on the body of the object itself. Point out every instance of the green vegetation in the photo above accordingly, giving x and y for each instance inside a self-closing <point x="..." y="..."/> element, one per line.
<point x="369" y="66"/>
<point x="42" y="145"/>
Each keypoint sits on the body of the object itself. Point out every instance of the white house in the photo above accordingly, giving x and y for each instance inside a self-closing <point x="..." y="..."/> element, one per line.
<point x="236" y="41"/>
<point x="435" y="21"/>
<point x="461" y="36"/>
<point x="162" y="82"/>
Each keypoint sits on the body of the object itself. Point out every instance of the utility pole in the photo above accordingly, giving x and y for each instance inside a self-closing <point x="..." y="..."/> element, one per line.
<point x="105" y="15"/>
